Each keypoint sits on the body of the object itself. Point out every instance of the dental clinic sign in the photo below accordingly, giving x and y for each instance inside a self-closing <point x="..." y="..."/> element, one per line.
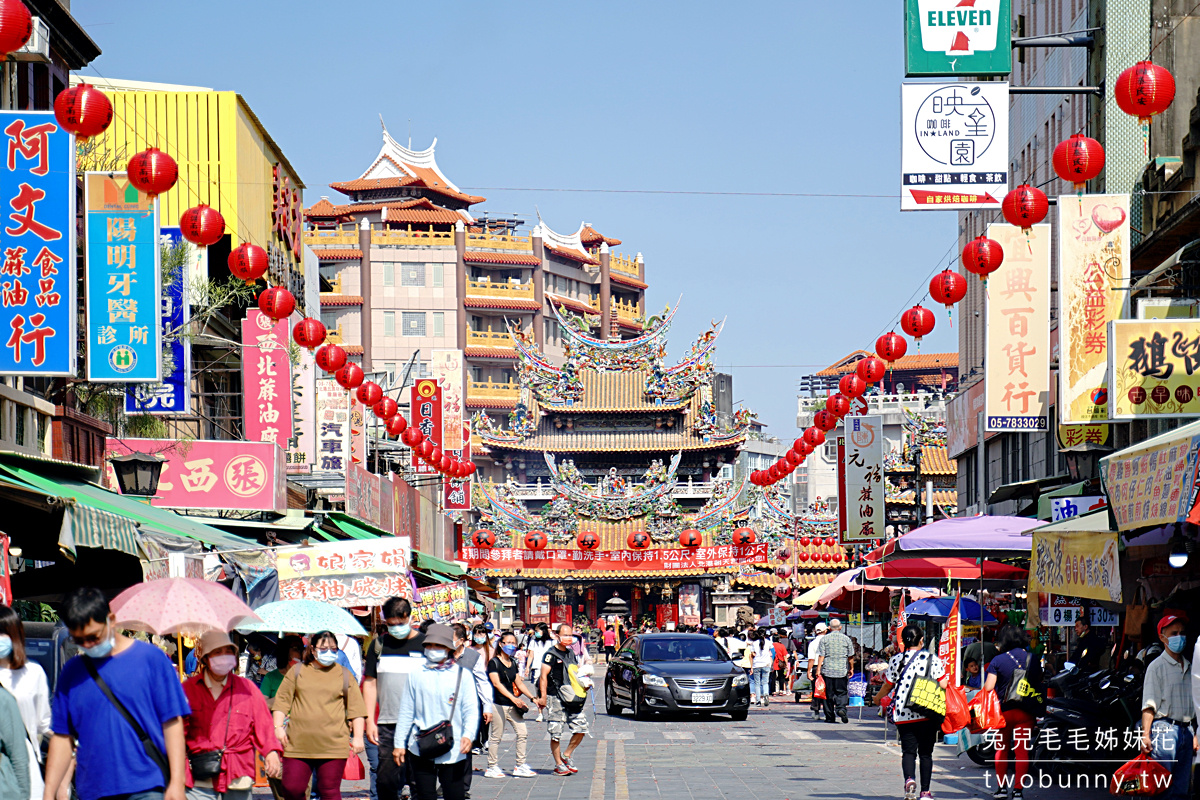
<point x="957" y="38"/>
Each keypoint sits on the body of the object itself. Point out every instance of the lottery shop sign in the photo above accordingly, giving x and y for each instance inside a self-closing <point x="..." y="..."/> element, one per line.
<point x="357" y="573"/>
<point x="219" y="474"/>
<point x="37" y="237"/>
<point x="682" y="559"/>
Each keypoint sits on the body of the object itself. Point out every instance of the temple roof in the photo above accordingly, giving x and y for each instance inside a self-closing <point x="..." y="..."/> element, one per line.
<point x="549" y="440"/>
<point x="590" y="237"/>
<point x="418" y="211"/>
<point x="618" y="391"/>
<point x="397" y="167"/>
<point x="935" y="461"/>
<point x="913" y="361"/>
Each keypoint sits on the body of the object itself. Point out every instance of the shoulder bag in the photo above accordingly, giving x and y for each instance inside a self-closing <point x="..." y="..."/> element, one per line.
<point x="437" y="740"/>
<point x="155" y="755"/>
<point x="1022" y="692"/>
<point x="926" y="697"/>
<point x="571" y="701"/>
<point x="207" y="763"/>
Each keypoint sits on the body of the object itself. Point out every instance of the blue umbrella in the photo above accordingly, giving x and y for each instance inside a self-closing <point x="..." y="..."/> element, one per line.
<point x="304" y="616"/>
<point x="937" y="609"/>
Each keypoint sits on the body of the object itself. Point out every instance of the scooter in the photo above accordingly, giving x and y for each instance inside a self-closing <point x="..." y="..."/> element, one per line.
<point x="1101" y="701"/>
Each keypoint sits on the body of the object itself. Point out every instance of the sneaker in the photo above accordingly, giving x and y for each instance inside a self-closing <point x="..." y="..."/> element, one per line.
<point x="562" y="769"/>
<point x="570" y="765"/>
<point x="910" y="790"/>
<point x="523" y="771"/>
<point x="494" y="772"/>
<point x="476" y="751"/>
<point x="766" y="702"/>
<point x="1001" y="793"/>
<point x="539" y="717"/>
<point x="926" y="795"/>
<point x="1018" y="794"/>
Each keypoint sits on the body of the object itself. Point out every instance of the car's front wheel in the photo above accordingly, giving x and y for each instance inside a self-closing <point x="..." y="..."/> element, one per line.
<point x="610" y="701"/>
<point x="640" y="711"/>
<point x="740" y="716"/>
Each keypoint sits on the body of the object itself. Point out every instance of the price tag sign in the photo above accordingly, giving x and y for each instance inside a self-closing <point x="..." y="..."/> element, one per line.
<point x="1103" y="618"/>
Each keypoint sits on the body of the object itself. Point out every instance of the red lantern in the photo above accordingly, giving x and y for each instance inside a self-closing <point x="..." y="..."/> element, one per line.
<point x="793" y="458"/>
<point x="587" y="541"/>
<point x="744" y="536"/>
<point x="1143" y="90"/>
<point x="852" y="385"/>
<point x="369" y="394"/>
<point x="1078" y="160"/>
<point x="838" y="404"/>
<point x="826" y="557"/>
<point x="773" y="473"/>
<point x="16" y="26"/>
<point x="982" y="256"/>
<point x="433" y="456"/>
<point x="783" y="555"/>
<point x="815" y="437"/>
<point x="785" y="467"/>
<point x="825" y="420"/>
<point x="805" y="541"/>
<point x="917" y="322"/>
<point x="445" y="463"/>
<point x="330" y="358"/>
<point x="690" y="537"/>
<point x="891" y="347"/>
<point x="309" y="333"/>
<point x="349" y="377"/>
<point x="1024" y="207"/>
<point x="947" y="288"/>
<point x="82" y="110"/>
<point x="276" y="302"/>
<point x="386" y="408"/>
<point x="248" y="262"/>
<point x="152" y="171"/>
<point x="754" y="477"/>
<point x="396" y="425"/>
<point x="425" y="450"/>
<point x="536" y="540"/>
<point x="802" y="447"/>
<point x="838" y="555"/>
<point x="871" y="369"/>
<point x="783" y="572"/>
<point x="783" y="590"/>
<point x="830" y="541"/>
<point x="638" y="540"/>
<point x="202" y="225"/>
<point x="412" y="437"/>
<point x="483" y="538"/>
<point x="802" y="556"/>
<point x="469" y="469"/>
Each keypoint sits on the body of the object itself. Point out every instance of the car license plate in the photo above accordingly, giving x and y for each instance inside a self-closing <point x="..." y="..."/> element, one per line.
<point x="702" y="697"/>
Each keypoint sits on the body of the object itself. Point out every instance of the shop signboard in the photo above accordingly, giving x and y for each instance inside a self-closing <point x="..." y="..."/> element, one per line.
<point x="1067" y="507"/>
<point x="302" y="446"/>
<point x="37" y="277"/>
<point x="668" y="560"/>
<point x="358" y="432"/>
<point x="953" y="145"/>
<point x="387" y="509"/>
<point x="425" y="400"/>
<point x="444" y="602"/>
<point x="214" y="474"/>
<point x="1076" y="563"/>
<point x="1075" y="435"/>
<point x="1017" y="332"/>
<point x="446" y="367"/>
<point x="864" y="480"/>
<point x="173" y="395"/>
<point x="841" y="486"/>
<point x="266" y="379"/>
<point x="362" y="494"/>
<point x="957" y="38"/>
<point x="124" y="284"/>
<point x="1058" y="611"/>
<point x="539" y="604"/>
<point x="405" y="511"/>
<point x="346" y="574"/>
<point x="333" y="427"/>
<point x="689" y="604"/>
<point x="1093" y="290"/>
<point x="1152" y="364"/>
<point x="456" y="492"/>
<point x="1152" y="485"/>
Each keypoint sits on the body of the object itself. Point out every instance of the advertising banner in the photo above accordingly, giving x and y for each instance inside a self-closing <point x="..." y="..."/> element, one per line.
<point x="362" y="494"/>
<point x="446" y="367"/>
<point x="124" y="333"/>
<point x="864" y="479"/>
<point x="217" y="474"/>
<point x="689" y="604"/>
<point x="1093" y="283"/>
<point x="37" y="278"/>
<point x="1081" y="564"/>
<point x="952" y="38"/>
<point x="1151" y="365"/>
<point x="682" y="559"/>
<point x="266" y="379"/>
<point x="405" y="511"/>
<point x="302" y="446"/>
<point x="948" y="645"/>
<point x="346" y="574"/>
<point x="456" y="492"/>
<point x="173" y="395"/>
<point x="426" y="404"/>
<point x="539" y="604"/>
<point x="841" y="486"/>
<point x="1017" y="330"/>
<point x="333" y="427"/>
<point x="953" y="145"/>
<point x="445" y="603"/>
<point x="1153" y="485"/>
<point x="1067" y="507"/>
<point x="358" y="432"/>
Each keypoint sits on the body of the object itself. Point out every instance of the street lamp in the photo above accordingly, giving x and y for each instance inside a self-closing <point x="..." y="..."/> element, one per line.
<point x="137" y="473"/>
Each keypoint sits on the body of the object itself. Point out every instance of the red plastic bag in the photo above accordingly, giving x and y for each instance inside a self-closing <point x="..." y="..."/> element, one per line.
<point x="957" y="714"/>
<point x="985" y="712"/>
<point x="354" y="771"/>
<point x="1141" y="776"/>
<point x="819" y="688"/>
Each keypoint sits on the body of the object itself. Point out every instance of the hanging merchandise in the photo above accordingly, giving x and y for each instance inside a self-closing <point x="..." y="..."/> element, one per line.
<point x="1078" y="159"/>
<point x="276" y="302"/>
<point x="638" y="540"/>
<point x="587" y="541"/>
<point x="203" y="226"/>
<point x="838" y="404"/>
<point x="396" y="425"/>
<point x="309" y="333"/>
<point x="536" y="540"/>
<point x="386" y="408"/>
<point x="917" y="322"/>
<point x="815" y="437"/>
<point x="248" y="262"/>
<point x="948" y="288"/>
<point x="369" y="393"/>
<point x="871" y="369"/>
<point x="852" y="385"/>
<point x="983" y="256"/>
<point x="16" y="26"/>
<point x="483" y="538"/>
<point x="690" y="537"/>
<point x="82" y="110"/>
<point x="891" y="347"/>
<point x="349" y="377"/>
<point x="152" y="172"/>
<point x="742" y="536"/>
<point x="330" y="358"/>
<point x="1024" y="207"/>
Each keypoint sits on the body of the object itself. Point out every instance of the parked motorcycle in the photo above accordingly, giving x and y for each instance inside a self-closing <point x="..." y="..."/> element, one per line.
<point x="1087" y="718"/>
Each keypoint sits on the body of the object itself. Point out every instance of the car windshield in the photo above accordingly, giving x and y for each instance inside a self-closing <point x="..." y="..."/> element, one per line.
<point x="682" y="650"/>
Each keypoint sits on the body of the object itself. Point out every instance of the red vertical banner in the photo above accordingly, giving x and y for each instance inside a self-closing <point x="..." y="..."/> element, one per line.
<point x="901" y="621"/>
<point x="841" y="484"/>
<point x="266" y="380"/>
<point x="426" y="403"/>
<point x="456" y="492"/>
<point x="6" y="596"/>
<point x="948" y="644"/>
<point x="591" y="605"/>
<point x="560" y="613"/>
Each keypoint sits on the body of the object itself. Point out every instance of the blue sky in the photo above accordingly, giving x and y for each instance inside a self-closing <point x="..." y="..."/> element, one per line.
<point x="794" y="97"/>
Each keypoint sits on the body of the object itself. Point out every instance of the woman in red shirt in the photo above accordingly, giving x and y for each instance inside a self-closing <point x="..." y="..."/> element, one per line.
<point x="779" y="667"/>
<point x="228" y="713"/>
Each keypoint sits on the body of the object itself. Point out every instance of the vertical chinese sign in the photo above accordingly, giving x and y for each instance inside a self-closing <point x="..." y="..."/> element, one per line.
<point x="37" y="279"/>
<point x="446" y="367"/>
<point x="1017" y="327"/>
<point x="266" y="379"/>
<point x="302" y="447"/>
<point x="1093" y="282"/>
<point x="173" y="395"/>
<point x="333" y="427"/>
<point x="1153" y="365"/>
<point x="124" y="319"/>
<point x="426" y="404"/>
<point x="362" y="494"/>
<point x="405" y="514"/>
<point x="457" y="491"/>
<point x="358" y="432"/>
<point x="841" y="484"/>
<point x="864" y="479"/>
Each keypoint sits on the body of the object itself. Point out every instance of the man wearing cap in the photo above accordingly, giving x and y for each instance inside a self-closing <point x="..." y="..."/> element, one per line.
<point x="834" y="657"/>
<point x="1168" y="713"/>
<point x="391" y="660"/>
<point x="813" y="655"/>
<point x="230" y="714"/>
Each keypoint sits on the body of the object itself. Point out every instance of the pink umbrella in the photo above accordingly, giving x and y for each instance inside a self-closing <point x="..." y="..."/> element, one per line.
<point x="180" y="605"/>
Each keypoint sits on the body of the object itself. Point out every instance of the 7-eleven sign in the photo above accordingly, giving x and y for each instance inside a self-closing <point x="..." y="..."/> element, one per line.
<point x="957" y="37"/>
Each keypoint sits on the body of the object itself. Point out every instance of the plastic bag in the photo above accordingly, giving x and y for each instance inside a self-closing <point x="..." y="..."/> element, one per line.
<point x="985" y="712"/>
<point x="957" y="714"/>
<point x="819" y="688"/>
<point x="354" y="771"/>
<point x="1141" y="776"/>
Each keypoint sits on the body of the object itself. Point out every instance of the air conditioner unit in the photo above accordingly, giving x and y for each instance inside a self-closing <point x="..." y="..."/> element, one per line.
<point x="38" y="46"/>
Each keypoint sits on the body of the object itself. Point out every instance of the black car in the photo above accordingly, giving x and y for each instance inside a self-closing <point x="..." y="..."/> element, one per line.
<point x="680" y="672"/>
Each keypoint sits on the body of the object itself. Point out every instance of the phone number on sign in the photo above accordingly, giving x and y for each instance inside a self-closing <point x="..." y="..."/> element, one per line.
<point x="1018" y="423"/>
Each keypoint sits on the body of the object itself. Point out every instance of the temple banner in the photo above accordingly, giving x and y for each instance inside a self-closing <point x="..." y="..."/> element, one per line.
<point x="1093" y="283"/>
<point x="357" y="573"/>
<point x="1017" y="330"/>
<point x="1151" y="365"/>
<point x="444" y="602"/>
<point x="697" y="558"/>
<point x="864" y="480"/>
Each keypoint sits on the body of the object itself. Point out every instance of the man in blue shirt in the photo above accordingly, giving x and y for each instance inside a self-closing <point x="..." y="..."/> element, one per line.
<point x="112" y="760"/>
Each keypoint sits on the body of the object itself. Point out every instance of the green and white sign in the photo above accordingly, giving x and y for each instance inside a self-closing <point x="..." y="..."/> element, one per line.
<point x="957" y="38"/>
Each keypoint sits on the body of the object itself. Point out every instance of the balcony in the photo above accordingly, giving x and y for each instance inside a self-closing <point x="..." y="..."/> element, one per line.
<point x="628" y="312"/>
<point x="498" y="241"/>
<point x="412" y="238"/>
<point x="625" y="265"/>
<point x="498" y="290"/>
<point x="489" y="391"/>
<point x="341" y="235"/>
<point x="493" y="340"/>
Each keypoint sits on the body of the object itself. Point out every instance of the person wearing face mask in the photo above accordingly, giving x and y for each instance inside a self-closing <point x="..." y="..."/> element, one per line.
<point x="391" y="660"/>
<point x="508" y="687"/>
<point x="115" y="672"/>
<point x="559" y="670"/>
<point x="319" y="716"/>
<point x="472" y="660"/>
<point x="439" y="693"/>
<point x="230" y="716"/>
<point x="27" y="682"/>
<point x="1168" y="713"/>
<point x="481" y="643"/>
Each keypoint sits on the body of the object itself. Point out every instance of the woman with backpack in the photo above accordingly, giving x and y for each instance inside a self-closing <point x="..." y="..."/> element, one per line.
<point x="761" y="651"/>
<point x="918" y="732"/>
<point x="319" y="717"/>
<point x="1015" y="662"/>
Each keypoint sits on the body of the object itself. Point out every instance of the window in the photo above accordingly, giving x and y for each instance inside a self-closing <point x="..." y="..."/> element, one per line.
<point x="390" y="368"/>
<point x="412" y="275"/>
<point x="436" y="270"/>
<point x="413" y="322"/>
<point x="830" y="451"/>
<point x="389" y="274"/>
<point x="389" y="323"/>
<point x="422" y="369"/>
<point x="439" y="323"/>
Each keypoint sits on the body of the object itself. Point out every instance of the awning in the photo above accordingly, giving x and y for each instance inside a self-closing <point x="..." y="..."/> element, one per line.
<point x="1025" y="489"/>
<point x="435" y="564"/>
<point x="1076" y="557"/>
<point x="1138" y="478"/>
<point x="353" y="529"/>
